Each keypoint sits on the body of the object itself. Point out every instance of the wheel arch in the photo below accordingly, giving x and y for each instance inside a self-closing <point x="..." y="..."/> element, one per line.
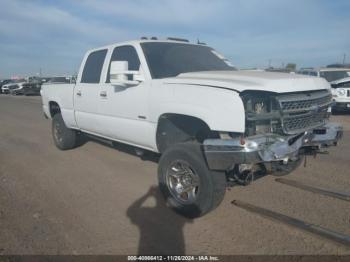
<point x="173" y="128"/>
<point x="54" y="108"/>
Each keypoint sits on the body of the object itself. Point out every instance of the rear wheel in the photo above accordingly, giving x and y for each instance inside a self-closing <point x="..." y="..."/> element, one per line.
<point x="186" y="182"/>
<point x="64" y="137"/>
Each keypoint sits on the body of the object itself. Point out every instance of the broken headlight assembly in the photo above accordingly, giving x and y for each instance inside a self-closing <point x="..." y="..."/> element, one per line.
<point x="262" y="114"/>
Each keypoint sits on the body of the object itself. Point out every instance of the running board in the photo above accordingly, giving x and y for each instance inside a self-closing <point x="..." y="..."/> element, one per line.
<point x="311" y="228"/>
<point x="312" y="189"/>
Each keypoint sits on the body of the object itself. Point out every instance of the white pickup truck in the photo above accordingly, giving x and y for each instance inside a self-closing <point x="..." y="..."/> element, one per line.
<point x="341" y="94"/>
<point x="211" y="123"/>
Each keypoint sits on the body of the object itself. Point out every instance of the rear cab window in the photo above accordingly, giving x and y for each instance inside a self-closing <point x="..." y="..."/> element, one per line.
<point x="93" y="67"/>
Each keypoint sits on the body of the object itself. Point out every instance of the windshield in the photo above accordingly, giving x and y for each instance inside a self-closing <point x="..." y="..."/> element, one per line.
<point x="172" y="59"/>
<point x="334" y="75"/>
<point x="340" y="85"/>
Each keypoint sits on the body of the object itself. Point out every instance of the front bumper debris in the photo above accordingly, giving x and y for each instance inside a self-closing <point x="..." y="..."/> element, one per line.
<point x="223" y="154"/>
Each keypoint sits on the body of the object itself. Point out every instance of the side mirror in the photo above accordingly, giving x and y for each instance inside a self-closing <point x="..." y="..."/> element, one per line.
<point x="119" y="72"/>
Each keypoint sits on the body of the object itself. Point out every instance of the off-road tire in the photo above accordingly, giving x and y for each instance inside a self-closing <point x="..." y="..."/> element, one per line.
<point x="212" y="185"/>
<point x="63" y="137"/>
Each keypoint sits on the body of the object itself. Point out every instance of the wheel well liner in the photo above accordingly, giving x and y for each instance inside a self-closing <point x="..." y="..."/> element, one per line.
<point x="54" y="108"/>
<point x="177" y="128"/>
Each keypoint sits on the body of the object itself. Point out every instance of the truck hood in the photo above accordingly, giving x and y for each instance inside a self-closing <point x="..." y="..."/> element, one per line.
<point x="251" y="80"/>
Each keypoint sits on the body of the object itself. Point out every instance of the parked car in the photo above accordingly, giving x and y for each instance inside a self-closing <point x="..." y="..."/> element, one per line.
<point x="211" y="123"/>
<point x="329" y="73"/>
<point x="4" y="82"/>
<point x="16" y="85"/>
<point x="32" y="87"/>
<point x="341" y="94"/>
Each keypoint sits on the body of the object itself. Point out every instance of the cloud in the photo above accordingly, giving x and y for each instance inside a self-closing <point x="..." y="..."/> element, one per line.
<point x="32" y="19"/>
<point x="178" y="13"/>
<point x="54" y="35"/>
<point x="36" y="35"/>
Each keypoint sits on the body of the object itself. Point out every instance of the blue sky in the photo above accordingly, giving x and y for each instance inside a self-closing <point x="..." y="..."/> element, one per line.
<point x="54" y="35"/>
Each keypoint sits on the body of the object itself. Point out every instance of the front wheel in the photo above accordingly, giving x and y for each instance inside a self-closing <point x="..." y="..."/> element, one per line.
<point x="189" y="187"/>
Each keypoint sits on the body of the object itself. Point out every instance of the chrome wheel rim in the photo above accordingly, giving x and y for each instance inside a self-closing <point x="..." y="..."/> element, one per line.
<point x="182" y="182"/>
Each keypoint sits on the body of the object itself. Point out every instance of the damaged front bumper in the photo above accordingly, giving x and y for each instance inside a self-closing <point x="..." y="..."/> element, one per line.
<point x="223" y="154"/>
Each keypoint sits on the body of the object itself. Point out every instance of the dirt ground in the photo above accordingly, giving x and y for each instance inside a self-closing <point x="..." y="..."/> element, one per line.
<point x="98" y="199"/>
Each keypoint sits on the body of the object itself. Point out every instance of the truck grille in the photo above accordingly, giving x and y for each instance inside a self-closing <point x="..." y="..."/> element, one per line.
<point x="302" y="123"/>
<point x="304" y="104"/>
<point x="304" y="111"/>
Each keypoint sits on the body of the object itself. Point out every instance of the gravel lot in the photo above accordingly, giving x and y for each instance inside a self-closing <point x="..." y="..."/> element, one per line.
<point x="98" y="199"/>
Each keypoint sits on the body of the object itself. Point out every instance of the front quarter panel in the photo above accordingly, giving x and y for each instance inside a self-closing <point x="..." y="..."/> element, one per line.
<point x="220" y="108"/>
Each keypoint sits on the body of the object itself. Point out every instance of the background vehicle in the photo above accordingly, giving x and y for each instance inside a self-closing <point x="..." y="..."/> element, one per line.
<point x="211" y="123"/>
<point x="32" y="87"/>
<point x="4" y="82"/>
<point x="61" y="79"/>
<point x="341" y="94"/>
<point x="13" y="85"/>
<point x="329" y="73"/>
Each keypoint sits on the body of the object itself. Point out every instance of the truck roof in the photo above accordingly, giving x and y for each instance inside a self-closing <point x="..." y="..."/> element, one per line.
<point x="139" y="41"/>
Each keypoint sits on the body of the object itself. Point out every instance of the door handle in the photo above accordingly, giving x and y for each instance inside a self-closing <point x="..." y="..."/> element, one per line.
<point x="79" y="93"/>
<point x="103" y="94"/>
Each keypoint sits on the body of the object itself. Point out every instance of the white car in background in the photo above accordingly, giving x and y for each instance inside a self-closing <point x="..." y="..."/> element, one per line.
<point x="341" y="94"/>
<point x="14" y="86"/>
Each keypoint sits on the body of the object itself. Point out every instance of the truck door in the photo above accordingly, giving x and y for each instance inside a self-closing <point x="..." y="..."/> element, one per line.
<point x="87" y="92"/>
<point x="124" y="109"/>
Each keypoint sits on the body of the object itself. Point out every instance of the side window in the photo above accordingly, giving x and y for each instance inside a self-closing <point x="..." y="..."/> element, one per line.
<point x="125" y="53"/>
<point x="93" y="67"/>
<point x="313" y="73"/>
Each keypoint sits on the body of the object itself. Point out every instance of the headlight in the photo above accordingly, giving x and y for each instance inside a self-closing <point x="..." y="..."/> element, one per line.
<point x="257" y="104"/>
<point x="260" y="107"/>
<point x="341" y="92"/>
